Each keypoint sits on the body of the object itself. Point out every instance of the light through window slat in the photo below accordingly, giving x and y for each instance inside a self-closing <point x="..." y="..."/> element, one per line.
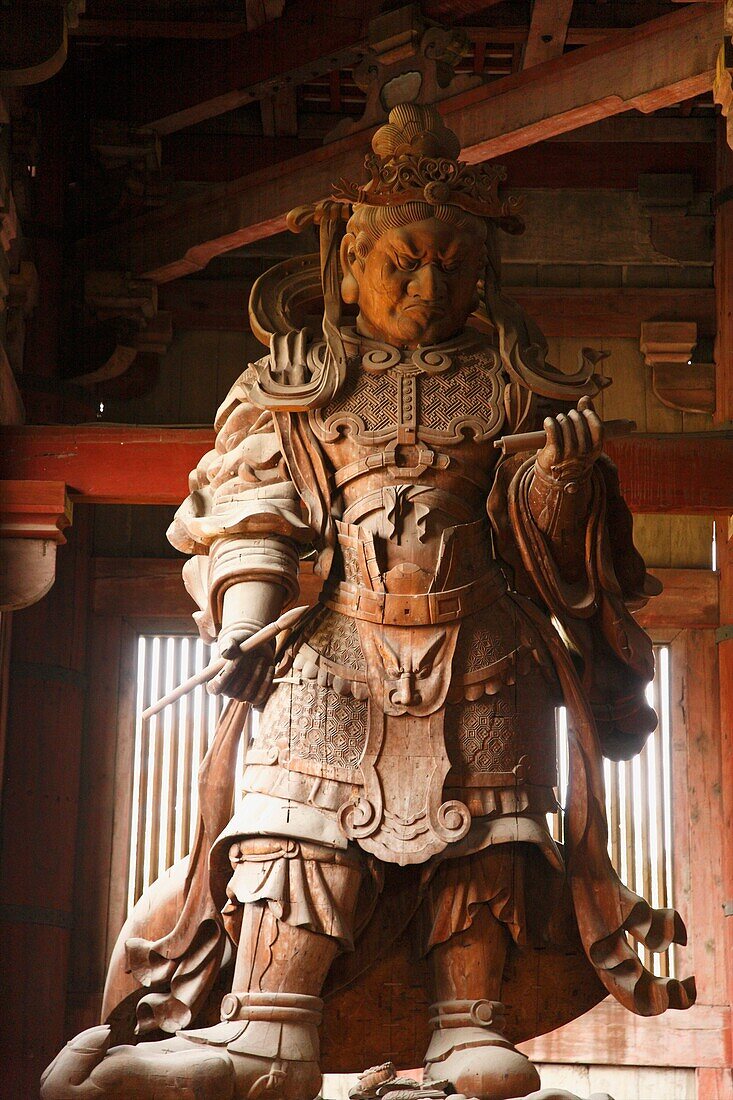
<point x="168" y="751"/>
<point x="638" y="808"/>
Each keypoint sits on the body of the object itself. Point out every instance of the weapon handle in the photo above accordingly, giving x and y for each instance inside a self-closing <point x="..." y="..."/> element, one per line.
<point x="532" y="441"/>
<point x="214" y="667"/>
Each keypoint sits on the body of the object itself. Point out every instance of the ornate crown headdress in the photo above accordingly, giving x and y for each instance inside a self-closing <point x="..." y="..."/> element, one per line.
<point x="415" y="159"/>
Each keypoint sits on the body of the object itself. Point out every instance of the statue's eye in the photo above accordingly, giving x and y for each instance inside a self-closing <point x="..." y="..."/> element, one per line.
<point x="450" y="267"/>
<point x="407" y="263"/>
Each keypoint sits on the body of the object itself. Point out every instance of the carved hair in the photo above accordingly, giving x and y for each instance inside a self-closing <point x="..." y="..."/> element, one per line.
<point x="368" y="223"/>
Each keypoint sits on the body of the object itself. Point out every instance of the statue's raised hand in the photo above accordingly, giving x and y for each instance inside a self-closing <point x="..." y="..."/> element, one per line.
<point x="574" y="442"/>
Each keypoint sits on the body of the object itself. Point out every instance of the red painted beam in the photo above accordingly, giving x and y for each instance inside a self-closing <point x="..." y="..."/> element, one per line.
<point x="689" y="474"/>
<point x="107" y="465"/>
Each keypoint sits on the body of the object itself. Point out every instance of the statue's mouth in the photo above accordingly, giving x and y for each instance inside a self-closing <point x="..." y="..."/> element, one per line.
<point x="430" y="309"/>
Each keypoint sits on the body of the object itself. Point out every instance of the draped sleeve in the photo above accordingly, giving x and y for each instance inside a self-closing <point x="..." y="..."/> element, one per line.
<point x="595" y="612"/>
<point x="243" y="517"/>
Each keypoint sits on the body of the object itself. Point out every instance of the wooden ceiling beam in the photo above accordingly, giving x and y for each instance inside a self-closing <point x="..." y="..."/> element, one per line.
<point x="652" y="66"/>
<point x="688" y="474"/>
<point x="548" y="28"/>
<point x="157" y="28"/>
<point x="210" y="79"/>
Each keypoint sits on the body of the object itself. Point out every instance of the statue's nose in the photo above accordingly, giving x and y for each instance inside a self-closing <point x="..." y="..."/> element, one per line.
<point x="428" y="283"/>
<point x="404" y="694"/>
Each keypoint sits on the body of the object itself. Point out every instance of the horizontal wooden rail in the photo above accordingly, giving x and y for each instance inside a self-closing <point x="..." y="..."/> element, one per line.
<point x="610" y="1035"/>
<point x="687" y="474"/>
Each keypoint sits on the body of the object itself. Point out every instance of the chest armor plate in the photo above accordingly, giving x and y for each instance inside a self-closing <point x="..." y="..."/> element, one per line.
<point x="437" y="396"/>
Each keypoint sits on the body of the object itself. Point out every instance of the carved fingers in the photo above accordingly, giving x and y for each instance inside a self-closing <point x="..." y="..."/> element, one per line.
<point x="246" y="676"/>
<point x="574" y="442"/>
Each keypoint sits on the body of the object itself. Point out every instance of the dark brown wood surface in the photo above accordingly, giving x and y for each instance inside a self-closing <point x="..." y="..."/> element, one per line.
<point x="41" y="805"/>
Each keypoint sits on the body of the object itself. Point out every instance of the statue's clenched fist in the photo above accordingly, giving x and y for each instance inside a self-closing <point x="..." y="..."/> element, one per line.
<point x="574" y="442"/>
<point x="247" y="606"/>
<point x="246" y="676"/>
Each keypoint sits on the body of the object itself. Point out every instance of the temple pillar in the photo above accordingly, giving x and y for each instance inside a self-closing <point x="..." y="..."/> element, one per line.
<point x="42" y="759"/>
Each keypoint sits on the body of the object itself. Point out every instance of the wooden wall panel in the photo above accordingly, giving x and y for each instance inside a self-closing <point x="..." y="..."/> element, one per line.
<point x="696" y="717"/>
<point x="97" y="806"/>
<point x="195" y="376"/>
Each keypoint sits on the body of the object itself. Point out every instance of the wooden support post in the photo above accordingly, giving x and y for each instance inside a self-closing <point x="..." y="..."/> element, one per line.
<point x="719" y="1086"/>
<point x="714" y="1084"/>
<point x="724" y="277"/>
<point x="39" y="829"/>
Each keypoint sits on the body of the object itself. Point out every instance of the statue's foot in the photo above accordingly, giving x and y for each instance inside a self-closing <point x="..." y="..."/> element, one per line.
<point x="87" y="1068"/>
<point x="270" y="1050"/>
<point x="469" y="1050"/>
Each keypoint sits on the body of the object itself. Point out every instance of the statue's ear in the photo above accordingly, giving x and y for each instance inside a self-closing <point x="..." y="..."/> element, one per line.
<point x="349" y="263"/>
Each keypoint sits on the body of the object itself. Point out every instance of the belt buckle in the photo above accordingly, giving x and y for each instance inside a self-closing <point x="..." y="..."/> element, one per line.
<point x="445" y="607"/>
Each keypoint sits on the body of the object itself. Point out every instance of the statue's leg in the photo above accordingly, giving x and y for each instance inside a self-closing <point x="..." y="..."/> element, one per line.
<point x="468" y="1047"/>
<point x="291" y="910"/>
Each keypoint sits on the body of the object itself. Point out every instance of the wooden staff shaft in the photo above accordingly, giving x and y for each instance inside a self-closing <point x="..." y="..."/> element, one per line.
<point x="214" y="667"/>
<point x="532" y="441"/>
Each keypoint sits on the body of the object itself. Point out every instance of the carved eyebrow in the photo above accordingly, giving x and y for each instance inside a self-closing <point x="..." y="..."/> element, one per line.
<point x="406" y="249"/>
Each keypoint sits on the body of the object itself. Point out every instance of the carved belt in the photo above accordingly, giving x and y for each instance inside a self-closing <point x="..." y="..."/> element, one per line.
<point x="421" y="609"/>
<point x="427" y="459"/>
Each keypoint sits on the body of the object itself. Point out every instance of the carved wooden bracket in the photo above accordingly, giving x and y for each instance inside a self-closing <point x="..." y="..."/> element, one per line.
<point x="113" y="295"/>
<point x="682" y="226"/>
<point x="410" y="60"/>
<point x="677" y="380"/>
<point x="33" y="516"/>
<point x="33" y="45"/>
<point x="723" y="82"/>
<point x="134" y="154"/>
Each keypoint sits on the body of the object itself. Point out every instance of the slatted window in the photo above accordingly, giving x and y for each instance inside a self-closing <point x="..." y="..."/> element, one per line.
<point x="169" y="748"/>
<point x="638" y="808"/>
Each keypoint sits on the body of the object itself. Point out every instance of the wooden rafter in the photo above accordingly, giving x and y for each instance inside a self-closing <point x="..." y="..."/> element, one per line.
<point x="208" y="79"/>
<point x="652" y="66"/>
<point x="689" y="474"/>
<point x="548" y="30"/>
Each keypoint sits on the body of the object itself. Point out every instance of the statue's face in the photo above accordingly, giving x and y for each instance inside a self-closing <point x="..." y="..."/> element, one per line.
<point x="417" y="285"/>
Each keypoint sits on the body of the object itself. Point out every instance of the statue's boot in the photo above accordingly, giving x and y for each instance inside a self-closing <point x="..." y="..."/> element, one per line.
<point x="266" y="1046"/>
<point x="468" y="1049"/>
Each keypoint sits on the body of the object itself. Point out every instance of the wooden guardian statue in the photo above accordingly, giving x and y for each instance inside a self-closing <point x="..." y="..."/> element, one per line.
<point x="393" y="823"/>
